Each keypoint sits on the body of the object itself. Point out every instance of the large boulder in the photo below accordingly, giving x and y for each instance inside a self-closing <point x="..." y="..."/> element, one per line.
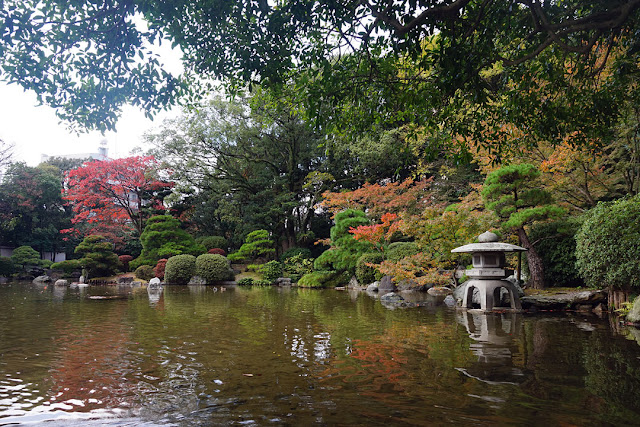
<point x="386" y="285"/>
<point x="634" y="314"/>
<point x="61" y="282"/>
<point x="42" y="279"/>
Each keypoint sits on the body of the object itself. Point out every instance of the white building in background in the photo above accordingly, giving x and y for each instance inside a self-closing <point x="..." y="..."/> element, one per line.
<point x="101" y="154"/>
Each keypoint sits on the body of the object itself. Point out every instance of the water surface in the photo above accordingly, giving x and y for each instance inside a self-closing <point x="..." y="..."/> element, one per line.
<point x="261" y="356"/>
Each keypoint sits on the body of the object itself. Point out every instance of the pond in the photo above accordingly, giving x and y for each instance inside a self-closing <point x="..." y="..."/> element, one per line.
<point x="261" y="356"/>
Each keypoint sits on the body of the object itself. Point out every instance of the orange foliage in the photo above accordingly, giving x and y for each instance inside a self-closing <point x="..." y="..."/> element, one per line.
<point x="378" y="199"/>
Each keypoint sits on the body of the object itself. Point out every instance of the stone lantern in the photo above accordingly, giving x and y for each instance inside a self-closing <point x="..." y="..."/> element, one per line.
<point x="488" y="273"/>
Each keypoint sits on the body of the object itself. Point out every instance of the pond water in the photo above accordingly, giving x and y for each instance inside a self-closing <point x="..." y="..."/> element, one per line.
<point x="261" y="356"/>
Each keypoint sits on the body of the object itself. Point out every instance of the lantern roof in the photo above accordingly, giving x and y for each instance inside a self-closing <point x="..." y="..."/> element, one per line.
<point x="488" y="242"/>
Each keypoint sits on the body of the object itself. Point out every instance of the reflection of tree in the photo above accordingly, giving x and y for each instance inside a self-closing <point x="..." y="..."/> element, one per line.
<point x="93" y="351"/>
<point x="613" y="376"/>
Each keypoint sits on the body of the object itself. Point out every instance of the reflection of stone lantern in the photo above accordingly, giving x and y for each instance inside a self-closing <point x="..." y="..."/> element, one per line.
<point x="488" y="273"/>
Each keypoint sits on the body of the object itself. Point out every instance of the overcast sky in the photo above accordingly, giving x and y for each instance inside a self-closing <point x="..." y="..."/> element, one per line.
<point x="35" y="130"/>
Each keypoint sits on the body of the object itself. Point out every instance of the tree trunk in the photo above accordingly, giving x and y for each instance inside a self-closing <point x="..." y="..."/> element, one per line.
<point x="536" y="268"/>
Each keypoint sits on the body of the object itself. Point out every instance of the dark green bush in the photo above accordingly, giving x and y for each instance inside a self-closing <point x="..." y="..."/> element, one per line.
<point x="68" y="266"/>
<point x="346" y="250"/>
<point x="211" y="242"/>
<point x="98" y="257"/>
<point x="6" y="266"/>
<point x="297" y="266"/>
<point x="257" y="244"/>
<point x="24" y="256"/>
<point x="608" y="249"/>
<point x="261" y="283"/>
<point x="271" y="270"/>
<point x="399" y="250"/>
<point x="180" y="269"/>
<point x="556" y="245"/>
<point x="323" y="279"/>
<point x="366" y="274"/>
<point x="303" y="252"/>
<point x="246" y="281"/>
<point x="145" y="272"/>
<point x="213" y="268"/>
<point x="163" y="237"/>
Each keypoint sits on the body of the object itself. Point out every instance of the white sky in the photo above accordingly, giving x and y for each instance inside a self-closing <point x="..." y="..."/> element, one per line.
<point x="35" y="130"/>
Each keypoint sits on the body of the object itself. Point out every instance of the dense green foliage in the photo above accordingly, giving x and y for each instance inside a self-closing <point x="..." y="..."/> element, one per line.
<point x="607" y="251"/>
<point x="324" y="279"/>
<point x="515" y="194"/>
<point x="6" y="266"/>
<point x="271" y="270"/>
<point x="163" y="237"/>
<point x="556" y="244"/>
<point x="291" y="252"/>
<point x="399" y="250"/>
<point x="179" y="269"/>
<point x="24" y="256"/>
<point x="98" y="257"/>
<point x="68" y="266"/>
<point x="257" y="244"/>
<point x="297" y="266"/>
<point x="345" y="250"/>
<point x="366" y="274"/>
<point x="212" y="268"/>
<point x="32" y="211"/>
<point x="212" y="242"/>
<point x="144" y="272"/>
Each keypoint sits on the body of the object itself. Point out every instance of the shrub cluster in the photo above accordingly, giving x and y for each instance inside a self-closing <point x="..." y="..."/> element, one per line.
<point x="366" y="274"/>
<point x="295" y="252"/>
<point x="399" y="250"/>
<point x="213" y="268"/>
<point x="68" y="266"/>
<point x="145" y="272"/>
<point x="211" y="242"/>
<point x="607" y="250"/>
<point x="6" y="266"/>
<point x="179" y="269"/>
<point x="246" y="281"/>
<point x="271" y="270"/>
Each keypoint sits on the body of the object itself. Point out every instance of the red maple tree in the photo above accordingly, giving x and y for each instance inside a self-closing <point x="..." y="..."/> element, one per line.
<point x="111" y="195"/>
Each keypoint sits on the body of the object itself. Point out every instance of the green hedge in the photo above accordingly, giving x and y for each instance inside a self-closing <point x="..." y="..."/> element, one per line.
<point x="145" y="272"/>
<point x="399" y="250"/>
<point x="324" y="279"/>
<point x="180" y="269"/>
<point x="366" y="274"/>
<point x="607" y="245"/>
<point x="213" y="268"/>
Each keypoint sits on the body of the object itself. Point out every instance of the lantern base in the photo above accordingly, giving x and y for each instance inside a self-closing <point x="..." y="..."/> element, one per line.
<point x="489" y="293"/>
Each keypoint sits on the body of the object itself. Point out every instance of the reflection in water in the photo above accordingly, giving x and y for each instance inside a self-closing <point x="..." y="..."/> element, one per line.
<point x="494" y="343"/>
<point x="300" y="357"/>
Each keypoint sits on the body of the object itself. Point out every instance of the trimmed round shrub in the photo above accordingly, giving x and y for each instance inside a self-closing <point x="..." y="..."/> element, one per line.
<point x="158" y="270"/>
<point x="271" y="270"/>
<point x="145" y="272"/>
<point x="211" y="242"/>
<point x="213" y="268"/>
<point x="217" y="251"/>
<point x="179" y="269"/>
<point x="399" y="250"/>
<point x="246" y="281"/>
<point x="302" y="252"/>
<point x="6" y="266"/>
<point x="607" y="249"/>
<point x="366" y="274"/>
